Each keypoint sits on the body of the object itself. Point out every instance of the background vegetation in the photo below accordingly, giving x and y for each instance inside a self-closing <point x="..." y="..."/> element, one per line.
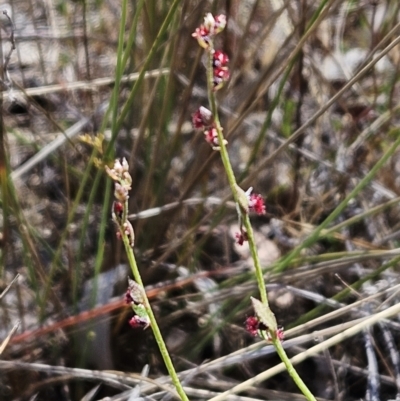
<point x="311" y="114"/>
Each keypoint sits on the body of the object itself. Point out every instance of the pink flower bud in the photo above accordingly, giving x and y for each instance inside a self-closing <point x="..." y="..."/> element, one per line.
<point x="256" y="203"/>
<point x="118" y="167"/>
<point x="219" y="23"/>
<point x="220" y="59"/>
<point x="139" y="322"/>
<point x="212" y="26"/>
<point x="128" y="231"/>
<point x="125" y="165"/>
<point x="220" y="76"/>
<point x="202" y="35"/>
<point x="202" y="118"/>
<point x="252" y="325"/>
<point x="280" y="334"/>
<point x="241" y="237"/>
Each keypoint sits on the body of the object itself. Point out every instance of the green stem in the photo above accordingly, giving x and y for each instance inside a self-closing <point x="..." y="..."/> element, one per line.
<point x="291" y="370"/>
<point x="249" y="229"/>
<point x="156" y="330"/>
<point x="232" y="179"/>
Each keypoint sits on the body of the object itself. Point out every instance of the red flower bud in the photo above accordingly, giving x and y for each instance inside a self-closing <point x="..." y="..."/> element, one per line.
<point x="202" y="118"/>
<point x="139" y="322"/>
<point x="256" y="203"/>
<point x="220" y="59"/>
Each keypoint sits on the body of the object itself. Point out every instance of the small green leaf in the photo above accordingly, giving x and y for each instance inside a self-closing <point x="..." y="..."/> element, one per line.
<point x="135" y="292"/>
<point x="264" y="314"/>
<point x="140" y="310"/>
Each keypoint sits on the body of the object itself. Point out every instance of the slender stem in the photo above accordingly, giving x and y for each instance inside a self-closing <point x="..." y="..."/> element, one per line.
<point x="256" y="260"/>
<point x="249" y="229"/>
<point x="232" y="181"/>
<point x="156" y="330"/>
<point x="291" y="370"/>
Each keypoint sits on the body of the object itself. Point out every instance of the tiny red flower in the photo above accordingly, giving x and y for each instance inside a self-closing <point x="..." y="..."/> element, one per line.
<point x="252" y="324"/>
<point x="202" y="35"/>
<point x="219" y="23"/>
<point x="210" y="28"/>
<point x="128" y="297"/>
<point x="118" y="209"/>
<point x="256" y="203"/>
<point x="220" y="59"/>
<point x="241" y="237"/>
<point x="202" y="118"/>
<point x="280" y="333"/>
<point x="220" y="76"/>
<point x="211" y="136"/>
<point x="255" y="327"/>
<point x="139" y="322"/>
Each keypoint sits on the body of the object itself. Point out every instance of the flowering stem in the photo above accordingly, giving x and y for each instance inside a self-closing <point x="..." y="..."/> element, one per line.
<point x="249" y="229"/>
<point x="232" y="179"/>
<point x="153" y="322"/>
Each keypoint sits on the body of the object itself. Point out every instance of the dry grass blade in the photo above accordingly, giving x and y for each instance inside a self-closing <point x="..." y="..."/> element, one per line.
<point x="8" y="338"/>
<point x="311" y="105"/>
<point x="9" y="286"/>
<point x="357" y="328"/>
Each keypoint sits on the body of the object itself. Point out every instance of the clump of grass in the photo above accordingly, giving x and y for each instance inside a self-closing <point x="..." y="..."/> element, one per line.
<point x="310" y="115"/>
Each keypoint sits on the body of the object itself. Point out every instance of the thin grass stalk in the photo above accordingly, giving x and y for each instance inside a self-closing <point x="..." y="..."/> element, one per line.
<point x="276" y="99"/>
<point x="340" y="208"/>
<point x="119" y="69"/>
<point x="318" y="310"/>
<point x="338" y="338"/>
<point x="99" y="258"/>
<point x="57" y="253"/>
<point x="128" y="104"/>
<point x="269" y="159"/>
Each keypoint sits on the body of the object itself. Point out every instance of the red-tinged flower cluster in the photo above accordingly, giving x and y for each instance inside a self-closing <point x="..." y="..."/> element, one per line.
<point x="211" y="136"/>
<point x="220" y="69"/>
<point x="119" y="173"/>
<point x="257" y="328"/>
<point x="204" y="35"/>
<point x="203" y="119"/>
<point x="134" y="296"/>
<point x="241" y="237"/>
<point x="256" y="204"/>
<point x="252" y="325"/>
<point x="220" y="59"/>
<point x="138" y="322"/>
<point x="220" y="76"/>
<point x="211" y="27"/>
